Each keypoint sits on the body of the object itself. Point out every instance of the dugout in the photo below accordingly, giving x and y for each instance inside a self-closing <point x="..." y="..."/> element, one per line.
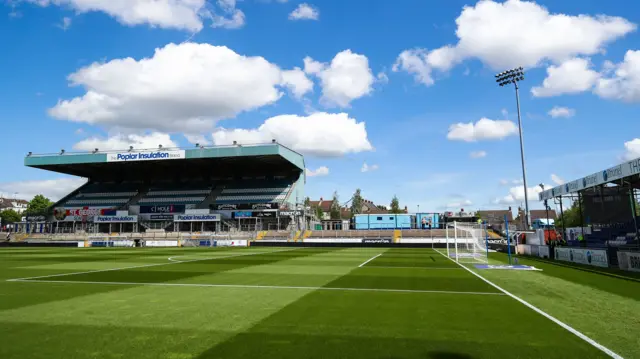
<point x="607" y="203"/>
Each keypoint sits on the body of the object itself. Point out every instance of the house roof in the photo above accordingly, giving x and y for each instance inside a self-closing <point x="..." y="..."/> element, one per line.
<point x="541" y="214"/>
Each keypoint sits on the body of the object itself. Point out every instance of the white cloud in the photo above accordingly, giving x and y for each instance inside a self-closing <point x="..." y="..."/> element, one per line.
<point x="174" y="14"/>
<point x="556" y="179"/>
<point x="516" y="195"/>
<point x="227" y="17"/>
<point x="478" y="154"/>
<point x="297" y="82"/>
<point x="570" y="77"/>
<point x="182" y="88"/>
<point x="484" y="129"/>
<point x="305" y="11"/>
<point x="368" y="168"/>
<point x="347" y="78"/>
<point x="54" y="189"/>
<point x="319" y="134"/>
<point x="632" y="149"/>
<point x="66" y="23"/>
<point x="458" y="205"/>
<point x="515" y="33"/>
<point x="558" y="111"/>
<point x="382" y="77"/>
<point x="199" y="139"/>
<point x="321" y="171"/>
<point x="624" y="85"/>
<point x="511" y="182"/>
<point x="122" y="142"/>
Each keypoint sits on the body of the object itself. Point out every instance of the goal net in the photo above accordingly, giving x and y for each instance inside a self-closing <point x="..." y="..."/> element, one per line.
<point x="466" y="242"/>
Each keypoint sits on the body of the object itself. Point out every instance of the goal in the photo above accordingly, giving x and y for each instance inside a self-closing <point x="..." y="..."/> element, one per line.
<point x="466" y="242"/>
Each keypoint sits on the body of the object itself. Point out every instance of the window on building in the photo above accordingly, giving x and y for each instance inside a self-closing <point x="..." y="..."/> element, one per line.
<point x="379" y="218"/>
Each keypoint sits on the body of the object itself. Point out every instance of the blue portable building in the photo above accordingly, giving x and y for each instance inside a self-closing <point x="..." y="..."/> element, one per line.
<point x="382" y="221"/>
<point x="424" y="219"/>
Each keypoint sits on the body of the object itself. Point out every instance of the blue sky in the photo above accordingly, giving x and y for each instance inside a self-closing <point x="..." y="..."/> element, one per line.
<point x="406" y="87"/>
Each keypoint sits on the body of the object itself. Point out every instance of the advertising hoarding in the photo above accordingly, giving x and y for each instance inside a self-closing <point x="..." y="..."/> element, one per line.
<point x="146" y="156"/>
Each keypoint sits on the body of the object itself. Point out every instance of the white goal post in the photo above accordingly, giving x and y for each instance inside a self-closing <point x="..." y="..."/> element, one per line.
<point x="467" y="242"/>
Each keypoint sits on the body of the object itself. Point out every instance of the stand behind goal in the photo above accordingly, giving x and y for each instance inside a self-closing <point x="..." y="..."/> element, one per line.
<point x="466" y="242"/>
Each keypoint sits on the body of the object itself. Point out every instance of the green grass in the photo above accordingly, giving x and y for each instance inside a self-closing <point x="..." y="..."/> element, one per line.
<point x="301" y="303"/>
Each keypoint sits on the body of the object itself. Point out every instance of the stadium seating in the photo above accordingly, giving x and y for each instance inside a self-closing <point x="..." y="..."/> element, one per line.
<point x="191" y="193"/>
<point x="263" y="191"/>
<point x="102" y="195"/>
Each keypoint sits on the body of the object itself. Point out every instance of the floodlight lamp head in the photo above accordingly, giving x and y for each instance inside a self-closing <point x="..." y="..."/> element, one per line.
<point x="159" y="146"/>
<point x="95" y="150"/>
<point x="62" y="151"/>
<point x="29" y="154"/>
<point x="130" y="148"/>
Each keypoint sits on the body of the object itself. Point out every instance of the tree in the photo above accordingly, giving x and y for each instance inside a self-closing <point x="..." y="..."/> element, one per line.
<point x="10" y="216"/>
<point x="395" y="205"/>
<point x="307" y="202"/>
<point x="334" y="212"/>
<point x="570" y="217"/>
<point x="356" y="203"/>
<point x="38" y="206"/>
<point x="319" y="212"/>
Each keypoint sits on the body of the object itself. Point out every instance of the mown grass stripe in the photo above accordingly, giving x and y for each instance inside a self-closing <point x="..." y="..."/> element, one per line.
<point x="146" y="265"/>
<point x="249" y="286"/>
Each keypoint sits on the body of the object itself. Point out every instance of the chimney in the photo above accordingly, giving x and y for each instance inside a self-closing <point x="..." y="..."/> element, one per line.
<point x="322" y="200"/>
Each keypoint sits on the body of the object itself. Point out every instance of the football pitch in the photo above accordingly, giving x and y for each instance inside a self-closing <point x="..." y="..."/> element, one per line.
<point x="264" y="302"/>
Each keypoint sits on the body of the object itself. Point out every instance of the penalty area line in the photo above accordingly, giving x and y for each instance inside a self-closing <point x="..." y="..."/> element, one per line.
<point x="572" y="330"/>
<point x="249" y="286"/>
<point x="369" y="260"/>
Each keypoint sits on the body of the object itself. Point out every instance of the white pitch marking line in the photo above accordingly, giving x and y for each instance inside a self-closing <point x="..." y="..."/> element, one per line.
<point x="204" y="285"/>
<point x="143" y="266"/>
<point x="369" y="260"/>
<point x="572" y="330"/>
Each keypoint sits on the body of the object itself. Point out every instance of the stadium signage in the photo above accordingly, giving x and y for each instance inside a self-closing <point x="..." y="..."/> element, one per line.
<point x="115" y="219"/>
<point x="179" y="208"/>
<point x="226" y="207"/>
<point x="290" y="213"/>
<point x="241" y="206"/>
<point x="78" y="214"/>
<point x="264" y="214"/>
<point x="593" y="257"/>
<point x="629" y="261"/>
<point x="626" y="169"/>
<point x="263" y="206"/>
<point x="242" y="214"/>
<point x="196" y="218"/>
<point x="377" y="241"/>
<point x="160" y="217"/>
<point x="146" y="156"/>
<point x="35" y="218"/>
<point x="572" y="186"/>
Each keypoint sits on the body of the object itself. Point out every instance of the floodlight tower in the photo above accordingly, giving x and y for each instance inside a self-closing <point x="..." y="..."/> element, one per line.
<point x="513" y="76"/>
